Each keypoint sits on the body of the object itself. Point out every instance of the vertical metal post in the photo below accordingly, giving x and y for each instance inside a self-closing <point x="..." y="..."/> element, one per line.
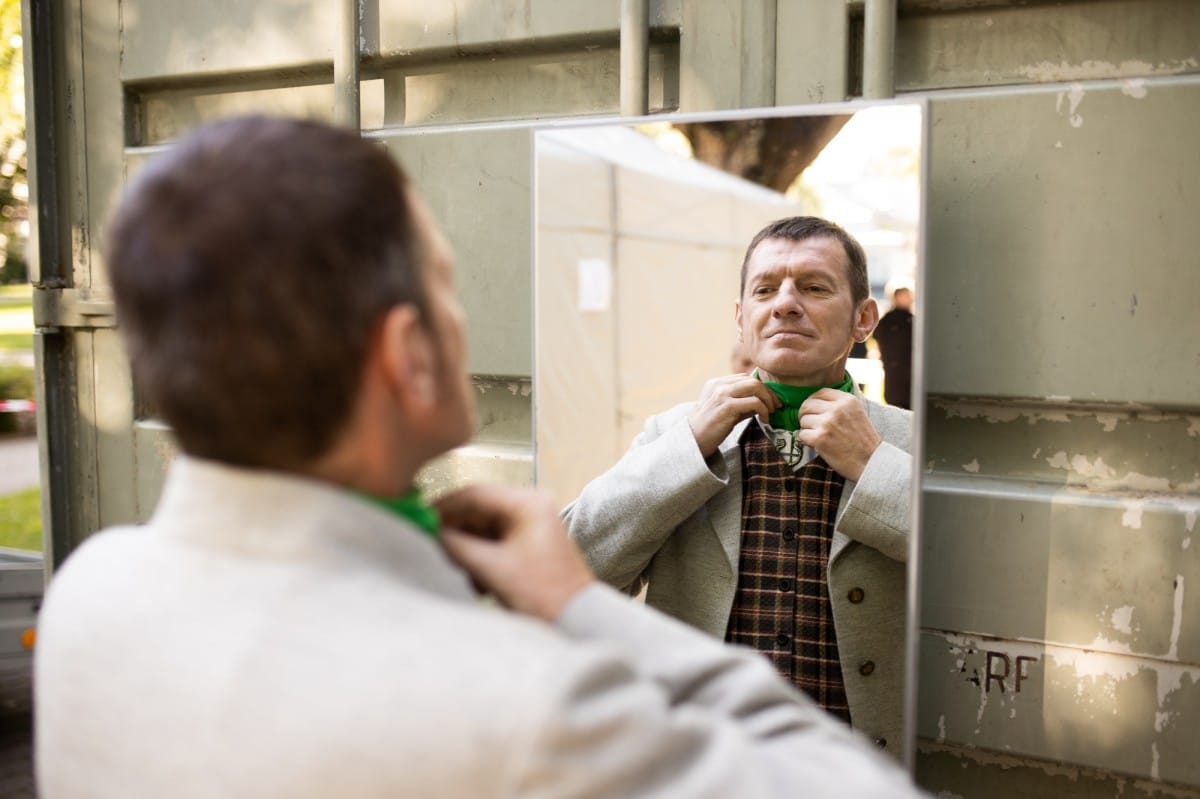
<point x="635" y="57"/>
<point x="345" y="66"/>
<point x="879" y="49"/>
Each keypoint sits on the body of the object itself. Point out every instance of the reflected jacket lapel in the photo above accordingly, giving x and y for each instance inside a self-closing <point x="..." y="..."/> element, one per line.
<point x="725" y="508"/>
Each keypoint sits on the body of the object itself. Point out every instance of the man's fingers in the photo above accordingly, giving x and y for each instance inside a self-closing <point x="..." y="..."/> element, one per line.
<point x="484" y="509"/>
<point x="465" y="549"/>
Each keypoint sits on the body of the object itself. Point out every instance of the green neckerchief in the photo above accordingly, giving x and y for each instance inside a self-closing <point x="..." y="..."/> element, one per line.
<point x="788" y="416"/>
<point x="413" y="507"/>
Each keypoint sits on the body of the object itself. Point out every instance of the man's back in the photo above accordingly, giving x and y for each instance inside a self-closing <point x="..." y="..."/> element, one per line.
<point x="299" y="660"/>
<point x="266" y="636"/>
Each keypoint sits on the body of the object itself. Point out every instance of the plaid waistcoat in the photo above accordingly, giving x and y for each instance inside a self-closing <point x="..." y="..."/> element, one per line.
<point x="782" y="607"/>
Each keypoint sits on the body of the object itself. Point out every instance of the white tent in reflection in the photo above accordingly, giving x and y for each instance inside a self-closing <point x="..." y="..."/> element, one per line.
<point x="638" y="254"/>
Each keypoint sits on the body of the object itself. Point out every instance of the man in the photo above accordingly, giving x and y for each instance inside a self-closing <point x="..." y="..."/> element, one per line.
<point x="894" y="336"/>
<point x="294" y="621"/>
<point x="774" y="512"/>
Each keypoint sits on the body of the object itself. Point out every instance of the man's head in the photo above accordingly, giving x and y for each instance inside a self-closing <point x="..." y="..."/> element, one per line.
<point x="805" y="299"/>
<point x="902" y="298"/>
<point x="257" y="268"/>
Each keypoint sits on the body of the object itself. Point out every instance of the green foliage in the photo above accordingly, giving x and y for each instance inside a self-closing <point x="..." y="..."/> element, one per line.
<point x="21" y="520"/>
<point x="16" y="382"/>
<point x="16" y="341"/>
<point x="14" y="187"/>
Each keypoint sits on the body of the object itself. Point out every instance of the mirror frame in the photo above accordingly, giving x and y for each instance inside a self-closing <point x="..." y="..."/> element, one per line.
<point x="913" y="572"/>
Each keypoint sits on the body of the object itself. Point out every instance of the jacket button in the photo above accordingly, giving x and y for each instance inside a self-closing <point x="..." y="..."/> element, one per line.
<point x="856" y="595"/>
<point x="867" y="668"/>
<point x="881" y="743"/>
<point x="789" y="534"/>
<point x="782" y="639"/>
<point x="785" y="584"/>
<point x="789" y="484"/>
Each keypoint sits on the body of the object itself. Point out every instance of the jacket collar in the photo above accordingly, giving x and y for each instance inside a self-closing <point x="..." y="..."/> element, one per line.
<point x="256" y="513"/>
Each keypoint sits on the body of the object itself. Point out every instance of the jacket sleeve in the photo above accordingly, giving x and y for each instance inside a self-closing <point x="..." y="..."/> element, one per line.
<point x="623" y="517"/>
<point x="879" y="510"/>
<point x="652" y="708"/>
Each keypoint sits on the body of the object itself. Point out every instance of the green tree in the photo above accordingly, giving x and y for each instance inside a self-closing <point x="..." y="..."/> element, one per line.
<point x="14" y="186"/>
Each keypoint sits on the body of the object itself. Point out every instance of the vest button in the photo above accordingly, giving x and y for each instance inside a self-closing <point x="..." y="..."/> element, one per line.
<point x="789" y="534"/>
<point x="856" y="595"/>
<point x="789" y="484"/>
<point x="867" y="668"/>
<point x="785" y="584"/>
<point x="782" y="639"/>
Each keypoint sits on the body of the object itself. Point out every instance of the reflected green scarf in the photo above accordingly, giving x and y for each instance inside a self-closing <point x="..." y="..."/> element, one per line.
<point x="788" y="416"/>
<point x="413" y="507"/>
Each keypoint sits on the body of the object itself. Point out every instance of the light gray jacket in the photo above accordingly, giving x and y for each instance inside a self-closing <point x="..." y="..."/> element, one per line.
<point x="269" y="636"/>
<point x="666" y="517"/>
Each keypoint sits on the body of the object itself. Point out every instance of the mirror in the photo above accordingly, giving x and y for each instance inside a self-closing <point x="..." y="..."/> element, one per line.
<point x="640" y="228"/>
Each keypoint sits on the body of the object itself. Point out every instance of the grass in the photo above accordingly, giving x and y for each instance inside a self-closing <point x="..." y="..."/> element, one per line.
<point x="21" y="520"/>
<point x="20" y="513"/>
<point x="16" y="341"/>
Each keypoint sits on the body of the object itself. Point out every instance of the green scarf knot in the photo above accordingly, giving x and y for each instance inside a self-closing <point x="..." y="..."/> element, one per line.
<point x="788" y="416"/>
<point x="413" y="507"/>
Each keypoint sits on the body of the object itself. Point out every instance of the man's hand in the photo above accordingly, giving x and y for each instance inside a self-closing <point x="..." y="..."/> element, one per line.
<point x="514" y="544"/>
<point x="835" y="424"/>
<point x="723" y="403"/>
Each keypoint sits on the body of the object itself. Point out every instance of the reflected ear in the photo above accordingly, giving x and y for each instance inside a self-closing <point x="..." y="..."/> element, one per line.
<point x="865" y="319"/>
<point x="405" y="357"/>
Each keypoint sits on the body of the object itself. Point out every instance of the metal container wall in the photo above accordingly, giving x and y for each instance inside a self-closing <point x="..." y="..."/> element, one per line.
<point x="1060" y="643"/>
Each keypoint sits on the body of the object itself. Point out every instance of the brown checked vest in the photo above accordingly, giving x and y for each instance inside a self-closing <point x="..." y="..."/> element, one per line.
<point x="782" y="607"/>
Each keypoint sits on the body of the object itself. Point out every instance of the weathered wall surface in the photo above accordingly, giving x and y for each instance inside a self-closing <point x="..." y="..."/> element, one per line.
<point x="1061" y="587"/>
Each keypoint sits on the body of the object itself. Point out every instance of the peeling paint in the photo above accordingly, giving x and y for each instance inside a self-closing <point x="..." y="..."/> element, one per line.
<point x="1108" y="421"/>
<point x="972" y="467"/>
<point x="941" y="728"/>
<point x="1187" y="542"/>
<point x="1134" y="87"/>
<point x="1059" y="461"/>
<point x="1122" y="618"/>
<point x="1132" y="517"/>
<point x="1037" y="452"/>
<point x="1194" y="426"/>
<point x="1073" y="96"/>
<point x="1189" y="520"/>
<point x="1050" y="71"/>
<point x="1177" y="620"/>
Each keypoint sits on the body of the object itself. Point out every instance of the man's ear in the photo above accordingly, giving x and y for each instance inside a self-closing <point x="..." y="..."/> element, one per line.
<point x="737" y="317"/>
<point x="405" y="357"/>
<point x="865" y="319"/>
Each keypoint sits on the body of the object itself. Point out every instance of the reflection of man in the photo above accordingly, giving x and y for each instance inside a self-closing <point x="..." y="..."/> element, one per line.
<point x="894" y="336"/>
<point x="289" y="623"/>
<point x="790" y="536"/>
<point x="741" y="360"/>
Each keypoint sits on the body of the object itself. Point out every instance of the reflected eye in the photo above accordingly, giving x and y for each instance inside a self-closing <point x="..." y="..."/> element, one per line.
<point x="762" y="291"/>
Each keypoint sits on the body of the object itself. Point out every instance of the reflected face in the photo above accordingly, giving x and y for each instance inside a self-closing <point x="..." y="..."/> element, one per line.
<point x="797" y="317"/>
<point x="447" y="324"/>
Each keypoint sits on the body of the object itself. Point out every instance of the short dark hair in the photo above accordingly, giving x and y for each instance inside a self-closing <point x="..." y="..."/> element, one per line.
<point x="799" y="228"/>
<point x="250" y="265"/>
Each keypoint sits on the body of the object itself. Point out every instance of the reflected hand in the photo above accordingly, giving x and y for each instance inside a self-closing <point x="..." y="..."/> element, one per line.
<point x="723" y="403"/>
<point x="835" y="424"/>
<point x="513" y="543"/>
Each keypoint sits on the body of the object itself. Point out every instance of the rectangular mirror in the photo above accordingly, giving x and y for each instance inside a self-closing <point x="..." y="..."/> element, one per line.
<point x="640" y="229"/>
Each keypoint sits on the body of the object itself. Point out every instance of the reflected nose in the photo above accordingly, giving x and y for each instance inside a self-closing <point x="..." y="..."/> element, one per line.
<point x="787" y="300"/>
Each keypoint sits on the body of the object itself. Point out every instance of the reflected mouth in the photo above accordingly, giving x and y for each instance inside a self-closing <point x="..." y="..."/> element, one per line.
<point x="790" y="334"/>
